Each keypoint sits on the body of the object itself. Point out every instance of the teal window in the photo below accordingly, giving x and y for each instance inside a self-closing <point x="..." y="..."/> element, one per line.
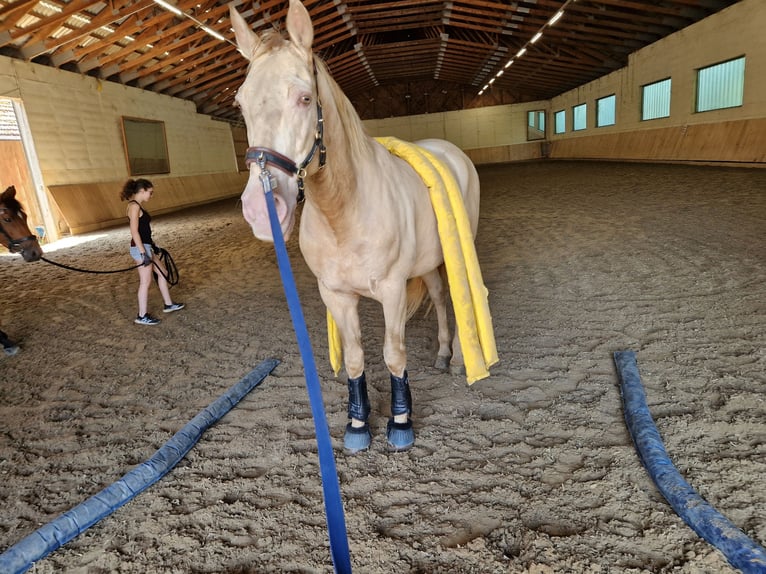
<point x="605" y="111"/>
<point x="721" y="86"/>
<point x="560" y="122"/>
<point x="535" y="125"/>
<point x="655" y="100"/>
<point x="580" y="117"/>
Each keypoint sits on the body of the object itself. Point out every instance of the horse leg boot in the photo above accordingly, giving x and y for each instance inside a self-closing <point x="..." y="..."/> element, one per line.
<point x="400" y="435"/>
<point x="9" y="347"/>
<point x="357" y="439"/>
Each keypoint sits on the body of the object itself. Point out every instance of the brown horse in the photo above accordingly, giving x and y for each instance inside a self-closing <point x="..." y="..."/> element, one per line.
<point x="367" y="228"/>
<point x="16" y="236"/>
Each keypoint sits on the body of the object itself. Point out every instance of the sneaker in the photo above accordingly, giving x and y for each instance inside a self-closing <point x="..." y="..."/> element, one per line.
<point x="173" y="307"/>
<point x="146" y="320"/>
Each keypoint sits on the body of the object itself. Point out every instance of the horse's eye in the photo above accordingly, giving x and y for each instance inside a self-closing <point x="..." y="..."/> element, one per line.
<point x="305" y="99"/>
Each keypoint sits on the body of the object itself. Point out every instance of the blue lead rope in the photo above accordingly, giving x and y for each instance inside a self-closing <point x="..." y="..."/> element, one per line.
<point x="336" y="523"/>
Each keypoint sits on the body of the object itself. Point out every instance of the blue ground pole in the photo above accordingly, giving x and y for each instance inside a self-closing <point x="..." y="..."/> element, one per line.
<point x="20" y="557"/>
<point x="740" y="551"/>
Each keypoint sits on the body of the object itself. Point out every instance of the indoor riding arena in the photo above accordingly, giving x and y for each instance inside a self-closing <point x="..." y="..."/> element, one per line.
<point x="643" y="234"/>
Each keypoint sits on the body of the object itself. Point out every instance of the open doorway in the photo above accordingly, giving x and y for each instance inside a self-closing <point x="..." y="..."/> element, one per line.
<point x="19" y="167"/>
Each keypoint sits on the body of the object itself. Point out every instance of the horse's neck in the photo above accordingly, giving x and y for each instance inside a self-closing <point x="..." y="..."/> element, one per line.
<point x="334" y="188"/>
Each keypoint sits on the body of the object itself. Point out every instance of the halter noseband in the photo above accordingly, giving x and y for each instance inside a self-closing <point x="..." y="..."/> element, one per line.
<point x="13" y="244"/>
<point x="264" y="156"/>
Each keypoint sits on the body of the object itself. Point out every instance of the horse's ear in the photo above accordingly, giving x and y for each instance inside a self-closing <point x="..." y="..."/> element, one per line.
<point x="247" y="40"/>
<point x="299" y="25"/>
<point x="9" y="193"/>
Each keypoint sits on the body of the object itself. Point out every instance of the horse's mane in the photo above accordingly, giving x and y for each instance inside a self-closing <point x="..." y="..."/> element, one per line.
<point x="358" y="139"/>
<point x="268" y="40"/>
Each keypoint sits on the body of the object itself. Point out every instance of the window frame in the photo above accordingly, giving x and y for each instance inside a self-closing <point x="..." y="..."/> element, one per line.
<point x="644" y="100"/>
<point x="141" y="136"/>
<point x="563" y="115"/>
<point x="599" y="101"/>
<point x="584" y="107"/>
<point x="739" y="90"/>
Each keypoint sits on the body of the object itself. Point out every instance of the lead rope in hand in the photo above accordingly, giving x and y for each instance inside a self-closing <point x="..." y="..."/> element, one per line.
<point x="167" y="260"/>
<point x="172" y="276"/>
<point x="336" y="523"/>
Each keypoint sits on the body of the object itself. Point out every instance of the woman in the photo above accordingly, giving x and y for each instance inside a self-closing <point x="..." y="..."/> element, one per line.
<point x="136" y="192"/>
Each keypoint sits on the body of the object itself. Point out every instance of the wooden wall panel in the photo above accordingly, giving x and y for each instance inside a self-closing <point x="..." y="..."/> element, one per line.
<point x="506" y="153"/>
<point x="92" y="206"/>
<point x="728" y="142"/>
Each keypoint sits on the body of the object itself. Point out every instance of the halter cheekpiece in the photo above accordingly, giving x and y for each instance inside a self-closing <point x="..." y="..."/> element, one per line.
<point x="13" y="244"/>
<point x="265" y="156"/>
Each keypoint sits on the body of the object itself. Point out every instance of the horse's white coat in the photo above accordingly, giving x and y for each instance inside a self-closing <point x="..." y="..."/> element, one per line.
<point x="367" y="225"/>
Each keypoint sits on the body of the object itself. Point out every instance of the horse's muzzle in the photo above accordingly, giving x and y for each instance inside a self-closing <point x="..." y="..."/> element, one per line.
<point x="31" y="252"/>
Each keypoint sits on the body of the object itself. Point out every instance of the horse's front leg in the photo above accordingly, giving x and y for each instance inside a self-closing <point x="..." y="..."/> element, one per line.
<point x="399" y="432"/>
<point x="344" y="310"/>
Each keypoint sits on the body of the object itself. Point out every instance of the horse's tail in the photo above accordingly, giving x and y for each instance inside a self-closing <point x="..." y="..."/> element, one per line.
<point x="416" y="293"/>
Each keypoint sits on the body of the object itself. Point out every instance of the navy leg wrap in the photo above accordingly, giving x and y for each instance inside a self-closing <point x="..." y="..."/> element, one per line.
<point x="401" y="399"/>
<point x="6" y="342"/>
<point x="358" y="401"/>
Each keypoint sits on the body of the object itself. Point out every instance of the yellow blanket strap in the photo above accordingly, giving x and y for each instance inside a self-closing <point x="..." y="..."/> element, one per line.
<point x="335" y="344"/>
<point x="467" y="290"/>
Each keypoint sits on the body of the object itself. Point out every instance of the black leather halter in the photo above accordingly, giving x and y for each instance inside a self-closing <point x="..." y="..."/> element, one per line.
<point x="266" y="156"/>
<point x="14" y="245"/>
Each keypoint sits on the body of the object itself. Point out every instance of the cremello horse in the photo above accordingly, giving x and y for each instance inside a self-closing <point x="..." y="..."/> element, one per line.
<point x="367" y="227"/>
<point x="16" y="236"/>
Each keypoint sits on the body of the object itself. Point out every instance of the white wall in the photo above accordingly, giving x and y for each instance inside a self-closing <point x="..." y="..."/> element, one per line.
<point x="75" y="119"/>
<point x="737" y="30"/>
<point x="468" y="129"/>
<point x="733" y="32"/>
<point x="75" y="125"/>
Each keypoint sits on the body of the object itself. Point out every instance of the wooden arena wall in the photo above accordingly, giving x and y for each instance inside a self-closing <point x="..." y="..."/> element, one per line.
<point x="75" y="124"/>
<point x="91" y="206"/>
<point x="734" y="136"/>
<point x="78" y="146"/>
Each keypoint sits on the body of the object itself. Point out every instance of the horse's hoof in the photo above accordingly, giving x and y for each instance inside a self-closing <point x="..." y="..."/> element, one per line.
<point x="357" y="439"/>
<point x="441" y="363"/>
<point x="400" y="435"/>
<point x="12" y="350"/>
<point x="457" y="369"/>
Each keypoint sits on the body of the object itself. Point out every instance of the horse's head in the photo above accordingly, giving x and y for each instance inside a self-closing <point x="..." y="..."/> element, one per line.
<point x="279" y="102"/>
<point x="14" y="232"/>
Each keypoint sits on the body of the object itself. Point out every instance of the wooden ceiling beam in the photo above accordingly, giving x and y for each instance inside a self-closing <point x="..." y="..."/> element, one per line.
<point x="103" y="19"/>
<point x="13" y="12"/>
<point x="46" y="26"/>
<point x="132" y="27"/>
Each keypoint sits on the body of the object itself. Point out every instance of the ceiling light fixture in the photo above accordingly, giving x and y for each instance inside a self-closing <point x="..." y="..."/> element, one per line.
<point x="523" y="50"/>
<point x="175" y="10"/>
<point x="169" y="7"/>
<point x="556" y="17"/>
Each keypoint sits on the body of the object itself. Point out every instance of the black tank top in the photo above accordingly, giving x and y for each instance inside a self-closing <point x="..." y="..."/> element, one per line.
<point x="144" y="227"/>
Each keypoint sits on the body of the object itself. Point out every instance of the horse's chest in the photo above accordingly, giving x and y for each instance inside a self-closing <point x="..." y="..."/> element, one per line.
<point x="343" y="269"/>
<point x="356" y="266"/>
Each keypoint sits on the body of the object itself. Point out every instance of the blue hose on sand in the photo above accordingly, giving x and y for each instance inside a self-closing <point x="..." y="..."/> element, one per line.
<point x="20" y="557"/>
<point x="740" y="551"/>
